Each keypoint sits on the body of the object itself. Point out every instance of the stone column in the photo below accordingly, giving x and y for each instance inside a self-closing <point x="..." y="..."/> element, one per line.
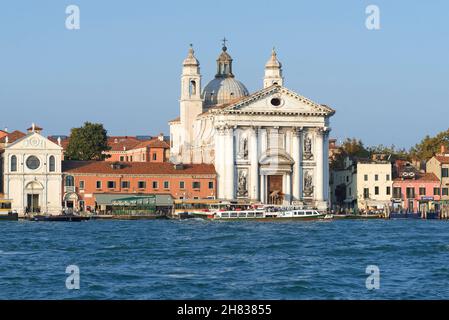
<point x="296" y="155"/>
<point x="263" y="140"/>
<point x="326" y="164"/>
<point x="319" y="169"/>
<point x="254" y="160"/>
<point x="229" y="163"/>
<point x="219" y="162"/>
<point x="288" y="188"/>
<point x="263" y="188"/>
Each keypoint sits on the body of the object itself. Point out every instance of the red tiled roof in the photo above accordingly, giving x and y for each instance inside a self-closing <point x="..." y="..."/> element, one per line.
<point x="153" y="143"/>
<point x="13" y="136"/>
<point x="64" y="142"/>
<point x="143" y="168"/>
<point x="443" y="159"/>
<point x="37" y="128"/>
<point x="123" y="145"/>
<point x="421" y="177"/>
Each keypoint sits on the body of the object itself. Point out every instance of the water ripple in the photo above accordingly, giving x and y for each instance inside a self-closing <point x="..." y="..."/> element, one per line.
<point x="231" y="260"/>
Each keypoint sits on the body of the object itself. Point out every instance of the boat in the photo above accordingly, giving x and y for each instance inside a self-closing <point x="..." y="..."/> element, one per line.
<point x="262" y="214"/>
<point x="6" y="214"/>
<point x="59" y="218"/>
<point x="214" y="209"/>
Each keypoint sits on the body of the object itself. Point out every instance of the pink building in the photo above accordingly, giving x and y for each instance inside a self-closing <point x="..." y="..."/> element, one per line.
<point x="414" y="191"/>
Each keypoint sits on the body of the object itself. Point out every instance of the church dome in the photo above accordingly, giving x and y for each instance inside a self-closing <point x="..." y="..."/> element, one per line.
<point x="224" y="88"/>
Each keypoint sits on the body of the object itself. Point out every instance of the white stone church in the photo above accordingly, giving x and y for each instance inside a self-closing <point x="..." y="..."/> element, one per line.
<point x="269" y="146"/>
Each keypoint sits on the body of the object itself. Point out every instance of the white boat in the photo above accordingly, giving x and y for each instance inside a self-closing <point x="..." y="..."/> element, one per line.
<point x="303" y="214"/>
<point x="294" y="214"/>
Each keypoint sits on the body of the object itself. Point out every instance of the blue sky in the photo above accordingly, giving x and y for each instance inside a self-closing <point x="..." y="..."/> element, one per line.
<point x="122" y="68"/>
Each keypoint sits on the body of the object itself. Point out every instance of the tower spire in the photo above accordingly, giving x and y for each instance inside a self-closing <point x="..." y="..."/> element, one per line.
<point x="273" y="71"/>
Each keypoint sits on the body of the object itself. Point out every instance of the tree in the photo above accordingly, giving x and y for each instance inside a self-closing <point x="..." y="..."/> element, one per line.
<point x="393" y="151"/>
<point x="349" y="148"/>
<point x="87" y="143"/>
<point x="430" y="145"/>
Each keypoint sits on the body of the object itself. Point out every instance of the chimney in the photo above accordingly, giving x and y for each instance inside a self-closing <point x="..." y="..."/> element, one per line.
<point x="443" y="149"/>
<point x="161" y="137"/>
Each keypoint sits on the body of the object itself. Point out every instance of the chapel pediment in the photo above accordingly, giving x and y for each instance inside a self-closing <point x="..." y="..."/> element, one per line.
<point x="34" y="141"/>
<point x="276" y="100"/>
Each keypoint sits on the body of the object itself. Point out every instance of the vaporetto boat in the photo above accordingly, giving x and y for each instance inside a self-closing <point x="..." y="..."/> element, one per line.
<point x="267" y="215"/>
<point x="226" y="210"/>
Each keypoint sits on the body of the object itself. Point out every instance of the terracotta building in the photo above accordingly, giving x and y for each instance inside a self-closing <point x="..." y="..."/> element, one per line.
<point x="415" y="191"/>
<point x="84" y="181"/>
<point x="130" y="148"/>
<point x="134" y="149"/>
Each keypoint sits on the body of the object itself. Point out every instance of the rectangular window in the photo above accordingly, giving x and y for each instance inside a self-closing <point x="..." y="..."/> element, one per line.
<point x="196" y="185"/>
<point x="125" y="184"/>
<point x="376" y="177"/>
<point x="166" y="185"/>
<point x="111" y="184"/>
<point x="410" y="193"/>
<point x="366" y="193"/>
<point x="436" y="191"/>
<point x="388" y="191"/>
<point x="365" y="177"/>
<point x="422" y="191"/>
<point x="122" y="158"/>
<point x="141" y="184"/>
<point x="181" y="185"/>
<point x="445" y="192"/>
<point x="388" y="177"/>
<point x="445" y="172"/>
<point x="98" y="185"/>
<point x="155" y="185"/>
<point x="81" y="184"/>
<point x="211" y="184"/>
<point x="154" y="156"/>
<point x="376" y="191"/>
<point x="397" y="192"/>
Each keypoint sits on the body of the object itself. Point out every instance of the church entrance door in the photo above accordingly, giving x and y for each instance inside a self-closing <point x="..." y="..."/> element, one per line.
<point x="33" y="203"/>
<point x="274" y="189"/>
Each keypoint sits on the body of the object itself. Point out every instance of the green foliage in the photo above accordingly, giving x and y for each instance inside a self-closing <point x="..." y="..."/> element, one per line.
<point x="394" y="152"/>
<point x="87" y="143"/>
<point x="349" y="148"/>
<point x="430" y="145"/>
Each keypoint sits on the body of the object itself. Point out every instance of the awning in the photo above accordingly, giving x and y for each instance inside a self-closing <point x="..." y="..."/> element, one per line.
<point x="162" y="200"/>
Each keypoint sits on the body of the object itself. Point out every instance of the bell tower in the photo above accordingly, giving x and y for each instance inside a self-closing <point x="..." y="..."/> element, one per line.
<point x="191" y="104"/>
<point x="273" y="71"/>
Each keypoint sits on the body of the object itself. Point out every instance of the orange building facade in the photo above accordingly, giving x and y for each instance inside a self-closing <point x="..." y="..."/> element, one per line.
<point x="133" y="149"/>
<point x="83" y="181"/>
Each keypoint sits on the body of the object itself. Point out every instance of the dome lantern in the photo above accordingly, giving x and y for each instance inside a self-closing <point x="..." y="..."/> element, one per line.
<point x="224" y="88"/>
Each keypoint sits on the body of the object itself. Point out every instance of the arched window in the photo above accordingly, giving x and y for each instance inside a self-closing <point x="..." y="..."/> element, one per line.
<point x="52" y="164"/>
<point x="69" y="181"/>
<point x="13" y="164"/>
<point x="192" y="88"/>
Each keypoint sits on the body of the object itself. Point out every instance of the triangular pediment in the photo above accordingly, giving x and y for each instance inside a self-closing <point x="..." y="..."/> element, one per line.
<point x="277" y="100"/>
<point x="33" y="141"/>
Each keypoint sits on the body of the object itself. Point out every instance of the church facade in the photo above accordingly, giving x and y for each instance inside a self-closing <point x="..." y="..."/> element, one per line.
<point x="269" y="146"/>
<point x="32" y="174"/>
